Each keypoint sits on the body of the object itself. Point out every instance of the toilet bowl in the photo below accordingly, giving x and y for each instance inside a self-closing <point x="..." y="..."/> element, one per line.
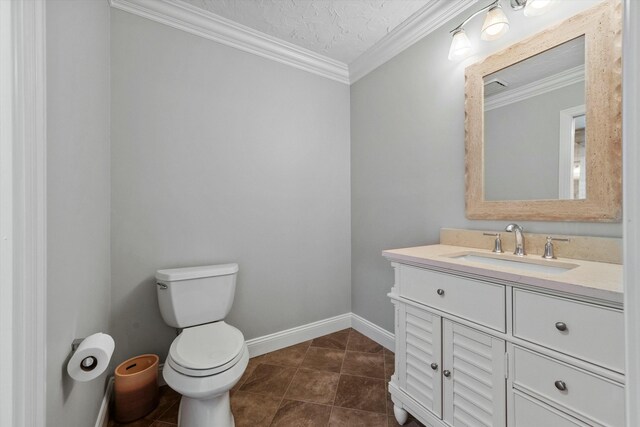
<point x="209" y="356"/>
<point x="204" y="363"/>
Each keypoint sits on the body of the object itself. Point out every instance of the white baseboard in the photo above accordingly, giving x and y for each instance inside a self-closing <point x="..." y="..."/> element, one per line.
<point x="286" y="338"/>
<point x="373" y="331"/>
<point x="161" y="380"/>
<point x="103" y="414"/>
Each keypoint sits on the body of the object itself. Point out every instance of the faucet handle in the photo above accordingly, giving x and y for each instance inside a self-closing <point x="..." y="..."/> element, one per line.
<point x="548" y="247"/>
<point x="497" y="245"/>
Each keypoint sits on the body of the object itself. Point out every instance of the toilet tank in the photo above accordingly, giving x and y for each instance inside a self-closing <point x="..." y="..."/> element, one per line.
<point x="195" y="295"/>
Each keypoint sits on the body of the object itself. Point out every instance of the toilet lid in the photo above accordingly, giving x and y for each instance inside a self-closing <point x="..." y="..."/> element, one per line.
<point x="206" y="349"/>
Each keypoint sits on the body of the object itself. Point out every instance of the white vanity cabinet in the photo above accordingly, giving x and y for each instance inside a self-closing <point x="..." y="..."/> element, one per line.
<point x="471" y="351"/>
<point x="474" y="377"/>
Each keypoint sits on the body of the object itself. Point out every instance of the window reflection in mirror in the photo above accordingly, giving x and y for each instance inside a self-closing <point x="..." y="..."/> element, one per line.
<point x="535" y="126"/>
<point x="573" y="153"/>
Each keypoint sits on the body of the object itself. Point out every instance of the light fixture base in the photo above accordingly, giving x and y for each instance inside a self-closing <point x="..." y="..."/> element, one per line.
<point x="518" y="4"/>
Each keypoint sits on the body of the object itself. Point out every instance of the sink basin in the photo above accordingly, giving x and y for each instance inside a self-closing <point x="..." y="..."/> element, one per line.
<point x="528" y="265"/>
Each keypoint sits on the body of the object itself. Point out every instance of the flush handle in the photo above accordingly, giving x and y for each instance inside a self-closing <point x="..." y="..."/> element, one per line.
<point x="162" y="286"/>
<point x="561" y="326"/>
<point x="440" y="292"/>
<point x="434" y="366"/>
<point x="561" y="385"/>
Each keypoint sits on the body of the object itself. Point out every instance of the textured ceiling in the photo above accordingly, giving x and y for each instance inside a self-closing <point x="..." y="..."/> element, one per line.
<point x="339" y="29"/>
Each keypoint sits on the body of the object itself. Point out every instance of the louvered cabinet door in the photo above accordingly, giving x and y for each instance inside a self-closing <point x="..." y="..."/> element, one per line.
<point x="474" y="387"/>
<point x="419" y="366"/>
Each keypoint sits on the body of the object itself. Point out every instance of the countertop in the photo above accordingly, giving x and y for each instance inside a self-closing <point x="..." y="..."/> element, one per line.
<point x="593" y="280"/>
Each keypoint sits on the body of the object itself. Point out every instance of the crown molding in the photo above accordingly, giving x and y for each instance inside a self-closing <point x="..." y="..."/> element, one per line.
<point x="205" y="24"/>
<point x="183" y="16"/>
<point x="548" y="84"/>
<point x="428" y="19"/>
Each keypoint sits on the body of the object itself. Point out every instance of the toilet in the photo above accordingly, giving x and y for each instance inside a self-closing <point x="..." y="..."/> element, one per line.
<point x="209" y="356"/>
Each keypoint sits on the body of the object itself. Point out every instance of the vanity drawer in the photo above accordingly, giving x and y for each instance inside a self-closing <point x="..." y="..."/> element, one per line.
<point x="587" y="394"/>
<point x="593" y="333"/>
<point x="529" y="412"/>
<point x="474" y="300"/>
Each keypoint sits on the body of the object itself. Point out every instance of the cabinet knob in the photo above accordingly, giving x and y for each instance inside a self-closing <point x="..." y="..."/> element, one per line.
<point x="560" y="385"/>
<point x="446" y="373"/>
<point x="434" y="366"/>
<point x="440" y="291"/>
<point x="561" y="326"/>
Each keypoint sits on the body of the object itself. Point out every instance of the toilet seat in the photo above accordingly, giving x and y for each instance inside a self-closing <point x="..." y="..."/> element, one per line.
<point x="206" y="350"/>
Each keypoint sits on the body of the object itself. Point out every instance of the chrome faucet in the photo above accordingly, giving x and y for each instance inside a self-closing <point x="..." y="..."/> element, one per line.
<point x="519" y="238"/>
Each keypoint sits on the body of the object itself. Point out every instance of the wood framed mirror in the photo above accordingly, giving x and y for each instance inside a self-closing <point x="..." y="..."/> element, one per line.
<point x="543" y="122"/>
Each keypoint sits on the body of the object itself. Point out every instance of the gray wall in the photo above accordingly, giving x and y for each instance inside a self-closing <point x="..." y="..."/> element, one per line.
<point x="521" y="147"/>
<point x="407" y="156"/>
<point x="78" y="278"/>
<point x="221" y="156"/>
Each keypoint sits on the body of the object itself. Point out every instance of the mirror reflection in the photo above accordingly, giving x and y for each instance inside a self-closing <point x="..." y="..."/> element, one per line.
<point x="535" y="127"/>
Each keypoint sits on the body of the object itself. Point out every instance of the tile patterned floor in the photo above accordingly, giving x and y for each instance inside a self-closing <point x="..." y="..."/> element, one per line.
<point x="336" y="380"/>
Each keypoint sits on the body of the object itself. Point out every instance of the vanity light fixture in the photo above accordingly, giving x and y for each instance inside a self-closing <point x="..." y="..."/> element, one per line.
<point x="495" y="24"/>
<point x="532" y="7"/>
<point x="460" y="45"/>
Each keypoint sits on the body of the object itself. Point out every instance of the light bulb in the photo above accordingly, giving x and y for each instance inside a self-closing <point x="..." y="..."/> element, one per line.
<point x="537" y="7"/>
<point x="495" y="24"/>
<point x="460" y="46"/>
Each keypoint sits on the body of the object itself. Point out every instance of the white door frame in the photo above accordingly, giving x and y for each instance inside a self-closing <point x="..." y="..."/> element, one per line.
<point x="6" y="214"/>
<point x="566" y="149"/>
<point x="23" y="223"/>
<point x="631" y="183"/>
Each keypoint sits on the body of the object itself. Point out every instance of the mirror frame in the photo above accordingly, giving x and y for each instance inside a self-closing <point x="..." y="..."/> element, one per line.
<point x="602" y="27"/>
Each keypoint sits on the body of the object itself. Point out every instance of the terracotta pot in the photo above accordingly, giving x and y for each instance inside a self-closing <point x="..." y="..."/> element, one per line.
<point x="136" y="388"/>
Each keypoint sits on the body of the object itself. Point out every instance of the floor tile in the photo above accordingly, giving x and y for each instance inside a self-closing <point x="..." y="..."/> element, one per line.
<point x="269" y="379"/>
<point x="389" y="404"/>
<point x="364" y="364"/>
<point x="167" y="397"/>
<point x="410" y="422"/>
<point x="389" y="369"/>
<point x="342" y="417"/>
<point x="171" y="414"/>
<point x="358" y="342"/>
<point x="290" y="356"/>
<point x="297" y="385"/>
<point x="391" y="422"/>
<point x="337" y="340"/>
<point x="251" y="366"/>
<point x="301" y="414"/>
<point x="139" y="423"/>
<point x="323" y="359"/>
<point x="313" y="386"/>
<point x="368" y="394"/>
<point x="253" y="410"/>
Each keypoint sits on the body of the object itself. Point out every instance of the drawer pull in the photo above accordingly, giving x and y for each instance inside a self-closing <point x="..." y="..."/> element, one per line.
<point x="560" y="385"/>
<point x="440" y="292"/>
<point x="561" y="326"/>
<point x="434" y="366"/>
<point x="446" y="373"/>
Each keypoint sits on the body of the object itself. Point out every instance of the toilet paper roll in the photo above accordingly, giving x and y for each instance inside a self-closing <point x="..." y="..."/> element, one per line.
<point x="91" y="358"/>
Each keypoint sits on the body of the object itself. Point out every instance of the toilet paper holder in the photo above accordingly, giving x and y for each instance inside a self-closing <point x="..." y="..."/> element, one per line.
<point x="89" y="362"/>
<point x="90" y="356"/>
<point x="75" y="344"/>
